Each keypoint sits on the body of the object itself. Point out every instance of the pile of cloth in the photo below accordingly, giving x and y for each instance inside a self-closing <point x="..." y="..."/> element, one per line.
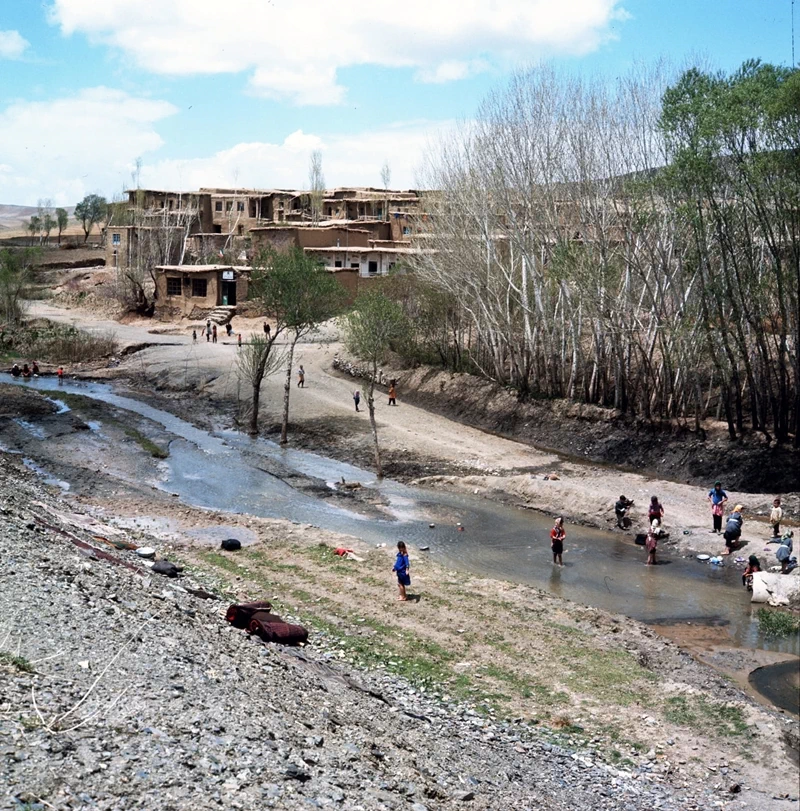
<point x="258" y="619"/>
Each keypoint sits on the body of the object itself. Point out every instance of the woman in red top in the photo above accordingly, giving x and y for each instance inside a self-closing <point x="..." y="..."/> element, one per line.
<point x="557" y="536"/>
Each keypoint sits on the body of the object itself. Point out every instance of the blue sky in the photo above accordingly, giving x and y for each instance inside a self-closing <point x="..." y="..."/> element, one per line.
<point x="239" y="93"/>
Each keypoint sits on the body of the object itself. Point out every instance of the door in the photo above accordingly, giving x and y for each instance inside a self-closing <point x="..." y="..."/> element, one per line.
<point x="229" y="294"/>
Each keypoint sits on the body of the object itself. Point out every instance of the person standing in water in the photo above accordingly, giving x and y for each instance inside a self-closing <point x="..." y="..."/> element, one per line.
<point x="651" y="544"/>
<point x="717" y="497"/>
<point x="401" y="567"/>
<point x="557" y="536"/>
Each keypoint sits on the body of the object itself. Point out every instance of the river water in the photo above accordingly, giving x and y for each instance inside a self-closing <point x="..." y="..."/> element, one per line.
<point x="225" y="471"/>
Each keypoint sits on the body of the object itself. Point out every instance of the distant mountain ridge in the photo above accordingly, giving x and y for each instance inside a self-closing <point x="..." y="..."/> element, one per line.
<point x="14" y="218"/>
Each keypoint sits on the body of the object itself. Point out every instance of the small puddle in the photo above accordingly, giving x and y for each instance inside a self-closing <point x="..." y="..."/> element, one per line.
<point x="33" y="430"/>
<point x="224" y="471"/>
<point x="46" y="477"/>
<point x="780" y="683"/>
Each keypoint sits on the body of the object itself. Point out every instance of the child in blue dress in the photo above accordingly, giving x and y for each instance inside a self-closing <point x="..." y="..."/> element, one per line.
<point x="401" y="565"/>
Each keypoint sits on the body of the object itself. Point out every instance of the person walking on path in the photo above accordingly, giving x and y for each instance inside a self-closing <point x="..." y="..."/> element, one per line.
<point x="775" y="517"/>
<point x="356" y="398"/>
<point x="655" y="511"/>
<point x="621" y="510"/>
<point x="392" y="394"/>
<point x="401" y="567"/>
<point x="717" y="498"/>
<point x="301" y="377"/>
<point x="557" y="536"/>
<point x="651" y="544"/>
<point x="194" y="336"/>
<point x="266" y="330"/>
<point x="208" y="331"/>
<point x="239" y="340"/>
<point x="733" y="529"/>
<point x="214" y="334"/>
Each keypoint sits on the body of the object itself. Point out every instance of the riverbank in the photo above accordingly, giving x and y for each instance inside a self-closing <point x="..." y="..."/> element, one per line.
<point x="596" y="681"/>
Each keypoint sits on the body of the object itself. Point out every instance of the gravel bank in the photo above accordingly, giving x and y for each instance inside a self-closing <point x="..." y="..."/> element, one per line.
<point x="146" y="698"/>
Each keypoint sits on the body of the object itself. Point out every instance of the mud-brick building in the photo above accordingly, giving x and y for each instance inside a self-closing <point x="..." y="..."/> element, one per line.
<point x="196" y="291"/>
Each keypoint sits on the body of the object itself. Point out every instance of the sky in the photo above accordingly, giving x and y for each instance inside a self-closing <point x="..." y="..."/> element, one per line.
<point x="238" y="93"/>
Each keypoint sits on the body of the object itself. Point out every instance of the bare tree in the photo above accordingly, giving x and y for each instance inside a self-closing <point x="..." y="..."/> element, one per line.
<point x="386" y="179"/>
<point x="255" y="361"/>
<point x="316" y="181"/>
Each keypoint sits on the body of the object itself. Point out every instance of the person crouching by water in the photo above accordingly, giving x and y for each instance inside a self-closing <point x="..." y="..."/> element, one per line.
<point x="733" y="529"/>
<point x="651" y="544"/>
<point x="753" y="566"/>
<point x="557" y="536"/>
<point x="784" y="552"/>
<point x="621" y="510"/>
<point x="401" y="566"/>
<point x="15" y="370"/>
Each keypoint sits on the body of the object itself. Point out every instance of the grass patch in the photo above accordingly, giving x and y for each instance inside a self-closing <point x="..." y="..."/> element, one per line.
<point x="777" y="623"/>
<point x="18" y="662"/>
<point x="698" y="712"/>
<point x="524" y="686"/>
<point x="610" y="676"/>
<point x="61" y="343"/>
<point x="144" y="443"/>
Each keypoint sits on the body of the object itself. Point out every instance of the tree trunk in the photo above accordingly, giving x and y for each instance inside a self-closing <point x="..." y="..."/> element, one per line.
<point x="287" y="387"/>
<point x="254" y="414"/>
<point x="372" y="424"/>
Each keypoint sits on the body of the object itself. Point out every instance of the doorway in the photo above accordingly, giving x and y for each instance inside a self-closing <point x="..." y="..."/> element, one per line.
<point x="228" y="294"/>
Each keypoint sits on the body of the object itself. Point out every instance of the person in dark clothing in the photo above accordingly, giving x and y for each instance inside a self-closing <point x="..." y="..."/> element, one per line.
<point x="356" y="398"/>
<point x="214" y="334"/>
<point x="228" y="329"/>
<point x="26" y="372"/>
<point x="753" y="566"/>
<point x="35" y="369"/>
<point x="266" y="329"/>
<point x="733" y="529"/>
<point x="15" y="372"/>
<point x="621" y="510"/>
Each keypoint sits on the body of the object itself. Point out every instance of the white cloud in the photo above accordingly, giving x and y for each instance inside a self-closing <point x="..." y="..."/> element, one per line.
<point x="353" y="160"/>
<point x="69" y="147"/>
<point x="293" y="50"/>
<point x="12" y="45"/>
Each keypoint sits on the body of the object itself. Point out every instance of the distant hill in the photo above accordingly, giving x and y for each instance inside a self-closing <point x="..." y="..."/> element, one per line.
<point x="15" y="218"/>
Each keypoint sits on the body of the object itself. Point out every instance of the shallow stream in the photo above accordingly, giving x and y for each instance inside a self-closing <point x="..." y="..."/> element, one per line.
<point x="223" y="471"/>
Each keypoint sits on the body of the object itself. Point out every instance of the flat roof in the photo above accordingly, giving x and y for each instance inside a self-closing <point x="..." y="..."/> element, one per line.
<point x="343" y="249"/>
<point x="200" y="268"/>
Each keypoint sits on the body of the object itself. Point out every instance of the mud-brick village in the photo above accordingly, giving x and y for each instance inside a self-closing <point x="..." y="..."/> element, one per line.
<point x="399" y="409"/>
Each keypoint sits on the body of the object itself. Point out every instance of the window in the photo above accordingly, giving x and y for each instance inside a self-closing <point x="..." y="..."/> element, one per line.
<point x="240" y="206"/>
<point x="218" y="205"/>
<point x="171" y="204"/>
<point x="355" y="265"/>
<point x="173" y="286"/>
<point x="229" y="206"/>
<point x="116" y="239"/>
<point x="337" y="263"/>
<point x="373" y="268"/>
<point x="406" y="230"/>
<point x="199" y="287"/>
